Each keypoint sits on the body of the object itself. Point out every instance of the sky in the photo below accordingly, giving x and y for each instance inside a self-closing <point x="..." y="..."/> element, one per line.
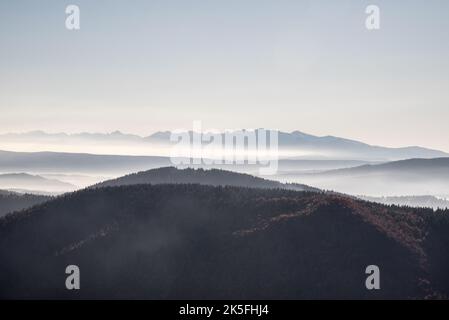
<point x="144" y="66"/>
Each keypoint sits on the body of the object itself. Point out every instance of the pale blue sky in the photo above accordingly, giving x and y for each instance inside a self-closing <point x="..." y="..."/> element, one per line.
<point x="143" y="66"/>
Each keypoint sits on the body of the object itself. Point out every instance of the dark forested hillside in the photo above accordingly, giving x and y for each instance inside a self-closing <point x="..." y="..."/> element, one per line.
<point x="11" y="201"/>
<point x="194" y="241"/>
<point x="213" y="177"/>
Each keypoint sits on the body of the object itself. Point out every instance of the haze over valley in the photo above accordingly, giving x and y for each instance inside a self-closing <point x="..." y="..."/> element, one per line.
<point x="328" y="163"/>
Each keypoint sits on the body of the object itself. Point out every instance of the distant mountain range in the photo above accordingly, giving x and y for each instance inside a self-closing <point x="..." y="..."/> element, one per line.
<point x="294" y="144"/>
<point x="191" y="241"/>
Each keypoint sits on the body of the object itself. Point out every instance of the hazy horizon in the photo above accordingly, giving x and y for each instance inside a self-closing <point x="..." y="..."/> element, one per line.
<point x="11" y="147"/>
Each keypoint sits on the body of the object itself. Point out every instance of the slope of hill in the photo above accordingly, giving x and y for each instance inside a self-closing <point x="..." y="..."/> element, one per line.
<point x="213" y="177"/>
<point x="24" y="181"/>
<point x="191" y="241"/>
<point x="411" y="201"/>
<point x="407" y="177"/>
<point x="429" y="167"/>
<point x="12" y="201"/>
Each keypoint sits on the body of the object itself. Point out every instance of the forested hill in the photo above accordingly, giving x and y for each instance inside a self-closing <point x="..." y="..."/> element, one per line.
<point x="213" y="177"/>
<point x="183" y="241"/>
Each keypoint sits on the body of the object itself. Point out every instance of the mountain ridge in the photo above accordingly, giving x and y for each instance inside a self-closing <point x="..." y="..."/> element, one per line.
<point x="409" y="177"/>
<point x="415" y="163"/>
<point x="213" y="177"/>
<point x="332" y="146"/>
